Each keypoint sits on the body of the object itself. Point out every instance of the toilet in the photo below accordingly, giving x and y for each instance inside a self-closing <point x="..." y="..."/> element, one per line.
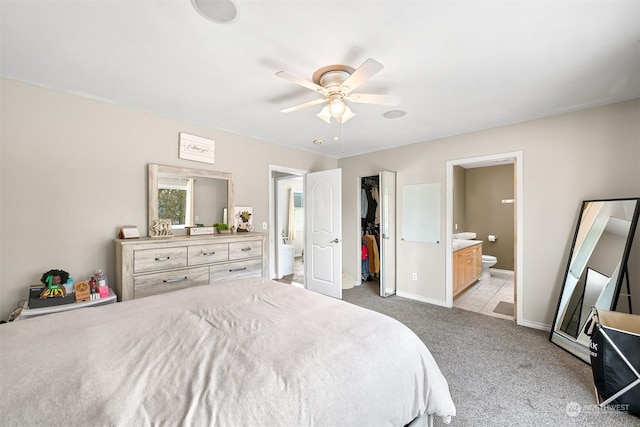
<point x="488" y="261"/>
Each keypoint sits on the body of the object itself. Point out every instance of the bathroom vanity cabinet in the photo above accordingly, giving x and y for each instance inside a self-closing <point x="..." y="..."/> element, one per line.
<point x="467" y="267"/>
<point x="150" y="266"/>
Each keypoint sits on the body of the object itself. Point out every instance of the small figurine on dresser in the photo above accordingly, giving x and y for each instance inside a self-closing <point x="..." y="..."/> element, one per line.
<point x="244" y="224"/>
<point x="55" y="280"/>
<point x="161" y="228"/>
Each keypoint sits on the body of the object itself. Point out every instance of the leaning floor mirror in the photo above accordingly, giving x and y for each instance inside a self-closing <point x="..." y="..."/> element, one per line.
<point x="597" y="271"/>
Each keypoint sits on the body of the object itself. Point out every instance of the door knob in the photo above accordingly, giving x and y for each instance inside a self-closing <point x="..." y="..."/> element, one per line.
<point x="336" y="240"/>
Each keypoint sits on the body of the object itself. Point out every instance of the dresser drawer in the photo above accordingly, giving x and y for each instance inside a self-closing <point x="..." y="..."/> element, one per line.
<point x="206" y="254"/>
<point x="233" y="270"/>
<point x="244" y="250"/>
<point x="158" y="283"/>
<point x="159" y="259"/>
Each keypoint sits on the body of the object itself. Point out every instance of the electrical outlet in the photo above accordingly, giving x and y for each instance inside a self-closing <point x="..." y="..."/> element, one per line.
<point x="414" y="276"/>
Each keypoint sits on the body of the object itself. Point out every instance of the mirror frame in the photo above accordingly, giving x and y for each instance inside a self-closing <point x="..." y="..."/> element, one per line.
<point x="573" y="346"/>
<point x="155" y="169"/>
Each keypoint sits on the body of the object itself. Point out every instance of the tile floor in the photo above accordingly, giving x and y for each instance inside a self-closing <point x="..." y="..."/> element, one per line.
<point x="484" y="295"/>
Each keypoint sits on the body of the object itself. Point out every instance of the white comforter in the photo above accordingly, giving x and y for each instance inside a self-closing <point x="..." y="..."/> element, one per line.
<point x="249" y="352"/>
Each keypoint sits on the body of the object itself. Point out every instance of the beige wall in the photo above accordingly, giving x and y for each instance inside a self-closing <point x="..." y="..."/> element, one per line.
<point x="74" y="169"/>
<point x="589" y="154"/>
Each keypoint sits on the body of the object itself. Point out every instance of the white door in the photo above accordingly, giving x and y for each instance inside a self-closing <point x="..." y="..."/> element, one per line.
<point x="387" y="199"/>
<point x="323" y="232"/>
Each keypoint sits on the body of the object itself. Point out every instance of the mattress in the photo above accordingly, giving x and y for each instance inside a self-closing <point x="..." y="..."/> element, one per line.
<point x="247" y="352"/>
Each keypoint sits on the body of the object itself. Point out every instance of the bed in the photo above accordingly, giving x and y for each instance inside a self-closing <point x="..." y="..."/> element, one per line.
<point x="247" y="352"/>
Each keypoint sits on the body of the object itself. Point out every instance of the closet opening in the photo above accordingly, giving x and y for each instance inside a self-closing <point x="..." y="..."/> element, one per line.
<point x="370" y="230"/>
<point x="377" y="254"/>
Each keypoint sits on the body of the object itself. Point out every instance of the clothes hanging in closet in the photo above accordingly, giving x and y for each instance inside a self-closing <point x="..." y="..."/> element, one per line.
<point x="369" y="204"/>
<point x="364" y="202"/>
<point x="376" y="212"/>
<point x="374" y="255"/>
<point x="365" y="260"/>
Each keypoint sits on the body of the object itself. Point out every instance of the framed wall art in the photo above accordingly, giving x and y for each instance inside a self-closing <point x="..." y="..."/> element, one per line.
<point x="196" y="148"/>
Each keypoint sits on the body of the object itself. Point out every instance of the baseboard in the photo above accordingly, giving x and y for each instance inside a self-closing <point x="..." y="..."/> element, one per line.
<point x="500" y="270"/>
<point x="421" y="298"/>
<point x="535" y="325"/>
<point x="526" y="323"/>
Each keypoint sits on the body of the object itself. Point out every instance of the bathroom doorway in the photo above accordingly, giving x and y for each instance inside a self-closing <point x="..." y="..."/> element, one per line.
<point x="286" y="233"/>
<point x="483" y="195"/>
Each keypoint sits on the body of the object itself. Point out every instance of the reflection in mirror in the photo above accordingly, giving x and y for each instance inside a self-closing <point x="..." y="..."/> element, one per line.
<point x="188" y="197"/>
<point x="596" y="270"/>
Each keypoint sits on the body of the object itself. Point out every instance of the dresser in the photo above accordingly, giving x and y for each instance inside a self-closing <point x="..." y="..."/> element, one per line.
<point x="150" y="266"/>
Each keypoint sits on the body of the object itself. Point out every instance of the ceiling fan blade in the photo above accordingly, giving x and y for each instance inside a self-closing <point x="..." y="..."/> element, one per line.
<point x="370" y="98"/>
<point x="305" y="105"/>
<point x="368" y="69"/>
<point x="300" y="81"/>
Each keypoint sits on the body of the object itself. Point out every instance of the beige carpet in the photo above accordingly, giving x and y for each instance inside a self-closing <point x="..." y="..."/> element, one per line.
<point x="500" y="374"/>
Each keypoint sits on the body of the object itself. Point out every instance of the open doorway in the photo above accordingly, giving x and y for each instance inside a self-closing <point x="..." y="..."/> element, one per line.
<point x="484" y="196"/>
<point x="286" y="219"/>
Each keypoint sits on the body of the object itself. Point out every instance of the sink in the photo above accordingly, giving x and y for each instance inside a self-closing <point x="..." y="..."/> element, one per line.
<point x="463" y="243"/>
<point x="464" y="236"/>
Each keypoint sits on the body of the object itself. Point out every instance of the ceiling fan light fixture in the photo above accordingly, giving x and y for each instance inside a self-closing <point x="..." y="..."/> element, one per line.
<point x="337" y="106"/>
<point x="348" y="115"/>
<point x="335" y="83"/>
<point x="325" y="114"/>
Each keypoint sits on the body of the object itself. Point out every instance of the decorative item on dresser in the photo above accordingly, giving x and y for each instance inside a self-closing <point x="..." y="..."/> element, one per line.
<point x="148" y="266"/>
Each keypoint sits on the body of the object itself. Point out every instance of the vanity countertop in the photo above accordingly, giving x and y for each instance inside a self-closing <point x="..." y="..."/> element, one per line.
<point x="462" y="244"/>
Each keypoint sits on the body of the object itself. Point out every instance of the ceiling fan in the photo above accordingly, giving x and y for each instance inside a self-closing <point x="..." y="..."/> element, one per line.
<point x="336" y="83"/>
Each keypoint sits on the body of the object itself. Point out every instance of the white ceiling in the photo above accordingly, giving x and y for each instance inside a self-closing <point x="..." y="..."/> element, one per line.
<point x="459" y="66"/>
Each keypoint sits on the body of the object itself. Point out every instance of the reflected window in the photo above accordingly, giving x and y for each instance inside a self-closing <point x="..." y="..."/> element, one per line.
<point x="175" y="201"/>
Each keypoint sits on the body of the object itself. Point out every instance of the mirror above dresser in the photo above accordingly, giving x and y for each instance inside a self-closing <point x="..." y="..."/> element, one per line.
<point x="187" y="197"/>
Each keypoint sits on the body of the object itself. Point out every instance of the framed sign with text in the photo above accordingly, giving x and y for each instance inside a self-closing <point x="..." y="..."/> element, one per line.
<point x="196" y="148"/>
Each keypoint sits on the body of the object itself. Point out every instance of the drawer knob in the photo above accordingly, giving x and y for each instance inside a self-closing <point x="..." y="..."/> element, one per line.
<point x="237" y="269"/>
<point x="208" y="253"/>
<point x="162" y="258"/>
<point x="246" y="249"/>
<point x="179" y="279"/>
